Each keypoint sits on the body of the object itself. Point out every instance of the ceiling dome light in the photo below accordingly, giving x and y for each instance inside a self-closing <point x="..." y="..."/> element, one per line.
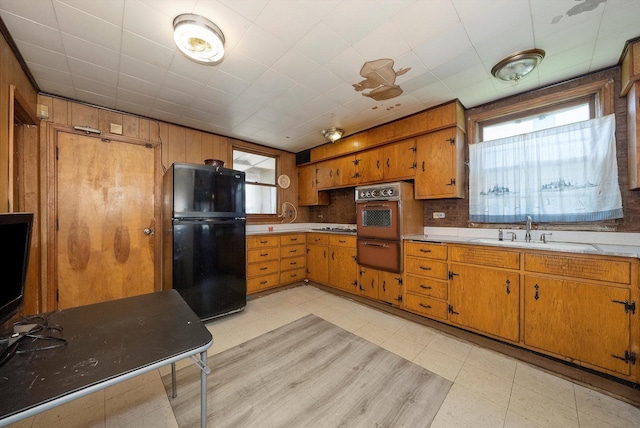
<point x="516" y="66"/>
<point x="198" y="38"/>
<point x="333" y="134"/>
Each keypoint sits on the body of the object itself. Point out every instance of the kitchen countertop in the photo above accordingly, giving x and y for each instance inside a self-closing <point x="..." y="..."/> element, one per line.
<point x="597" y="243"/>
<point x="559" y="246"/>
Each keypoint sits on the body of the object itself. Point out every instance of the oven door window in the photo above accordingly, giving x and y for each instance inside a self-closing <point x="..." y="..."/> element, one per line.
<point x="376" y="218"/>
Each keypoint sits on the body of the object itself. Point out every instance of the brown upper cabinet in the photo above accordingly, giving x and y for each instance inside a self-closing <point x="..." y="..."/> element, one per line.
<point x="393" y="152"/>
<point x="440" y="165"/>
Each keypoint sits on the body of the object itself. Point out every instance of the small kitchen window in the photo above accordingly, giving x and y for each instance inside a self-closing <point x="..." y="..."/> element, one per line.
<point x="260" y="170"/>
<point x="553" y="159"/>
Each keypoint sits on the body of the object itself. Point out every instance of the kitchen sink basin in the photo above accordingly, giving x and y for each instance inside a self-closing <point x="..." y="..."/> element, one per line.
<point x="550" y="245"/>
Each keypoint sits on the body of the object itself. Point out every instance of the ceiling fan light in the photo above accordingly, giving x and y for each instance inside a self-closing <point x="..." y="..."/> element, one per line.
<point x="516" y="66"/>
<point x="198" y="38"/>
<point x="333" y="134"/>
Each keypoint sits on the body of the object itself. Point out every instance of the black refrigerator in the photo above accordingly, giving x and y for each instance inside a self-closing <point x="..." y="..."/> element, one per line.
<point x="204" y="249"/>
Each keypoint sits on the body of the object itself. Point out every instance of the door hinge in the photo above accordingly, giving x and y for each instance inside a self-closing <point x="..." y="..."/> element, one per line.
<point x="452" y="182"/>
<point x="399" y="299"/>
<point x="451" y="311"/>
<point x="452" y="141"/>
<point x="399" y="279"/>
<point x="452" y="274"/>
<point x="413" y="149"/>
<point x="57" y="296"/>
<point x="414" y="166"/>
<point x="629" y="357"/>
<point x="356" y="161"/>
<point x="627" y="306"/>
<point x="356" y="175"/>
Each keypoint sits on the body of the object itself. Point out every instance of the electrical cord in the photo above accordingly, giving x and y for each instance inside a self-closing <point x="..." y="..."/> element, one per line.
<point x="284" y="212"/>
<point x="41" y="330"/>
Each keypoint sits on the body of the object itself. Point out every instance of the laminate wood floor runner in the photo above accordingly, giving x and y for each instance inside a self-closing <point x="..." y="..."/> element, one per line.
<point x="309" y="373"/>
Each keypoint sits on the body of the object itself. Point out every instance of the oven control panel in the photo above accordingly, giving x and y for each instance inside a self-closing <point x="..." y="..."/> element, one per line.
<point x="378" y="192"/>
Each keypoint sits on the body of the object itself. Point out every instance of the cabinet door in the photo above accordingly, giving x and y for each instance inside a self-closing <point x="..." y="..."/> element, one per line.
<point x="368" y="282"/>
<point x="343" y="268"/>
<point x="578" y="320"/>
<point x="317" y="263"/>
<point x="370" y="166"/>
<point x="399" y="160"/>
<point x="345" y="171"/>
<point x="439" y="165"/>
<point x="324" y="175"/>
<point x="390" y="287"/>
<point x="308" y="193"/>
<point x="485" y="299"/>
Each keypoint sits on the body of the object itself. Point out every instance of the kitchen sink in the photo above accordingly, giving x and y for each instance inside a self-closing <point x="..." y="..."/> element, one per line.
<point x="549" y="245"/>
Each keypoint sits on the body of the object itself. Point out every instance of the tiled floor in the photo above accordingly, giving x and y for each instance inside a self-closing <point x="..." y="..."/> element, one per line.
<point x="490" y="390"/>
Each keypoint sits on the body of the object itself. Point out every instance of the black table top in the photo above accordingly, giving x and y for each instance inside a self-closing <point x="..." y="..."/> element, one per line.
<point x="105" y="341"/>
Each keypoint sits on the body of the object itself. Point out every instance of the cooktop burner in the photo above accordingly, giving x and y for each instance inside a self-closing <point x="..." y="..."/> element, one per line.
<point x="336" y="229"/>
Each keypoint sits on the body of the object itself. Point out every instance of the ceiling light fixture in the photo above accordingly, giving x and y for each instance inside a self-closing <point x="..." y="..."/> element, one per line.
<point x="516" y="66"/>
<point x="198" y="38"/>
<point x="333" y="134"/>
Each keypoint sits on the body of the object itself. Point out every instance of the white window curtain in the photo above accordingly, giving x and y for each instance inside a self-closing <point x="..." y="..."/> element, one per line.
<point x="563" y="174"/>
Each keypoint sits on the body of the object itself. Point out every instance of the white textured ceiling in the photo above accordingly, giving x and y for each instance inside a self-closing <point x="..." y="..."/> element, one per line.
<point x="291" y="64"/>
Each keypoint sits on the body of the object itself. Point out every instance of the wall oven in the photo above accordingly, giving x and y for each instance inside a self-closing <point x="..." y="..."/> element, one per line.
<point x="384" y="213"/>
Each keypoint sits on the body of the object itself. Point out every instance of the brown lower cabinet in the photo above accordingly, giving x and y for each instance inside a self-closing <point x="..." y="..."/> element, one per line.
<point x="576" y="307"/>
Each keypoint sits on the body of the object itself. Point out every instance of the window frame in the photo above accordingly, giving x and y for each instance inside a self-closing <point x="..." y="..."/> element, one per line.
<point x="267" y="153"/>
<point x="601" y="91"/>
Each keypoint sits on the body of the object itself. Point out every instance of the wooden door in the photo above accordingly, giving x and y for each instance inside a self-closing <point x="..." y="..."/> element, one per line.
<point x="105" y="201"/>
<point x="368" y="282"/>
<point x="317" y="263"/>
<point x="344" y="171"/>
<point x="390" y="287"/>
<point x="343" y="268"/>
<point x="369" y="165"/>
<point x="437" y="174"/>
<point x="486" y="299"/>
<point x="578" y="320"/>
<point x="400" y="160"/>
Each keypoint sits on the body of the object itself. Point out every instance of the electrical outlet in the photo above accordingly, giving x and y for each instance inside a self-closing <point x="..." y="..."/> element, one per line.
<point x="438" y="215"/>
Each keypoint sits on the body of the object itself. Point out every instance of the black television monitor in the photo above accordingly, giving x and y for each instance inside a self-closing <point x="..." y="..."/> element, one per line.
<point x="15" y="239"/>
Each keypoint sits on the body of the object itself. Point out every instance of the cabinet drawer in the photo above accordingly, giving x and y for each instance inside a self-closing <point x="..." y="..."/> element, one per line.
<point x="426" y="286"/>
<point x="485" y="256"/>
<point x="293" y="276"/>
<point x="293" y="263"/>
<point x="426" y="249"/>
<point x="262" y="241"/>
<point x="262" y="254"/>
<point x="579" y="267"/>
<point x="264" y="268"/>
<point x="317" y="238"/>
<point x="342" y="241"/>
<point x="262" y="282"/>
<point x="426" y="306"/>
<point x="292" y="238"/>
<point x="293" y="250"/>
<point x="426" y="267"/>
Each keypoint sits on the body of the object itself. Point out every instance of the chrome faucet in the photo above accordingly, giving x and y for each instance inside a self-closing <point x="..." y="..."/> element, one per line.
<point x="527" y="236"/>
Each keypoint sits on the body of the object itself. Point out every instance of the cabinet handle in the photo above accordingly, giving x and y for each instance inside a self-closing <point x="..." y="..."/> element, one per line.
<point x="293" y="251"/>
<point x="293" y="275"/>
<point x="536" y="295"/>
<point x="378" y="164"/>
<point x="426" y="287"/>
<point x="422" y="166"/>
<point x="293" y="263"/>
<point x="425" y="268"/>
<point x="384" y="283"/>
<point x="324" y="254"/>
<point x="263" y="282"/>
<point x="422" y="250"/>
<point x="425" y="306"/>
<point x="333" y="255"/>
<point x="264" y="254"/>
<point x="263" y="242"/>
<point x="264" y="268"/>
<point x="342" y="241"/>
<point x="508" y="284"/>
<point x="388" y="163"/>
